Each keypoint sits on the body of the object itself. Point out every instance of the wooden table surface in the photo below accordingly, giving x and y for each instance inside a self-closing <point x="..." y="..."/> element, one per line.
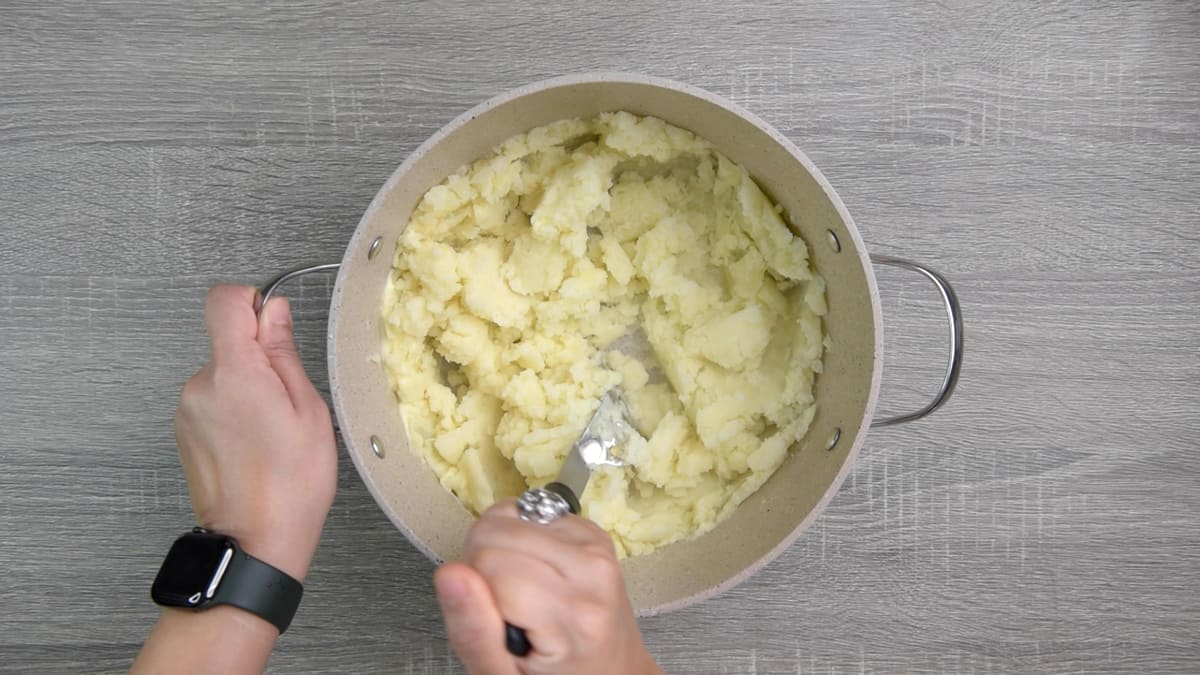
<point x="1044" y="155"/>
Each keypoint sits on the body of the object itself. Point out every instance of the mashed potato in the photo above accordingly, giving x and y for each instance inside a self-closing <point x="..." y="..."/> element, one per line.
<point x="516" y="275"/>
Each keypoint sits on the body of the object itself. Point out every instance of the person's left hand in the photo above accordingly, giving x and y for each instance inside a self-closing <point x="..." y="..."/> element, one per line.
<point x="255" y="438"/>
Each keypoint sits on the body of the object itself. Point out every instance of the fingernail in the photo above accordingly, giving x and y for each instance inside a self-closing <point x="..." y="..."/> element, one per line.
<point x="278" y="313"/>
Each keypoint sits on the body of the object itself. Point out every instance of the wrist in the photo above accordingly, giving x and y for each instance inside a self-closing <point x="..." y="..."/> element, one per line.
<point x="292" y="556"/>
<point x="204" y="570"/>
<point x="182" y="642"/>
<point x="223" y="619"/>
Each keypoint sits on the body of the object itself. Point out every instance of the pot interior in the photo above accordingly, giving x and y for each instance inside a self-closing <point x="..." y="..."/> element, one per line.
<point x="767" y="522"/>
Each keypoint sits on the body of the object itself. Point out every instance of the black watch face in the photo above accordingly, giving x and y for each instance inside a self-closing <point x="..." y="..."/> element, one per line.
<point x="192" y="571"/>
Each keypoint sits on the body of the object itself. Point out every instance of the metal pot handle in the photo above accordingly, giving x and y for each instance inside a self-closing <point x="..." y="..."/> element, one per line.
<point x="949" y="299"/>
<point x="954" y="316"/>
<point x="268" y="288"/>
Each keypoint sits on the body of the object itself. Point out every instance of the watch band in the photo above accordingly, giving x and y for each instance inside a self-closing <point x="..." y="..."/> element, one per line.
<point x="260" y="589"/>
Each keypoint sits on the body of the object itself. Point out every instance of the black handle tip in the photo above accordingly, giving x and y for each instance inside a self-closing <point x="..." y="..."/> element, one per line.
<point x="567" y="494"/>
<point x="516" y="640"/>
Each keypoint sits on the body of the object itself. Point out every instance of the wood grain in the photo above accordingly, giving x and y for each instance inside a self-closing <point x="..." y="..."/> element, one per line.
<point x="1045" y="156"/>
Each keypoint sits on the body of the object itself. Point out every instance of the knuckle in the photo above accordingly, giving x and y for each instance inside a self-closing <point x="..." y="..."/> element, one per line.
<point x="598" y="541"/>
<point x="191" y="389"/>
<point x="485" y="535"/>
<point x="472" y="546"/>
<point x="219" y="294"/>
<point x="283" y="355"/>
<point x="194" y="391"/>
<point x="318" y="414"/>
<point x="589" y="529"/>
<point x="601" y="536"/>
<point x="213" y="293"/>
<point x="506" y="503"/>
<point x="593" y="620"/>
<point x="477" y="542"/>
<point x="281" y="349"/>
<point x="497" y="513"/>
<point x="489" y="562"/>
<point x="600" y="564"/>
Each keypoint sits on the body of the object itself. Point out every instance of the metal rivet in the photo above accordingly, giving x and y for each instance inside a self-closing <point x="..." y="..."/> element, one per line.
<point x="833" y="439"/>
<point x="377" y="447"/>
<point x="834" y="241"/>
<point x="374" y="249"/>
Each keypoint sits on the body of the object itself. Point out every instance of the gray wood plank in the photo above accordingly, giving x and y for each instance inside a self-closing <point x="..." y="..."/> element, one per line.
<point x="1046" y="156"/>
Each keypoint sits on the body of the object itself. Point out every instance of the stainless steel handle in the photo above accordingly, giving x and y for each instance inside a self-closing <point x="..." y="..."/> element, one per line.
<point x="268" y="288"/>
<point x="954" y="316"/>
<point x="949" y="300"/>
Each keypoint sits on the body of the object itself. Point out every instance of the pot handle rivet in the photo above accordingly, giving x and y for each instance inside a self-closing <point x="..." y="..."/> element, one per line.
<point x="377" y="446"/>
<point x="834" y="241"/>
<point x="833" y="439"/>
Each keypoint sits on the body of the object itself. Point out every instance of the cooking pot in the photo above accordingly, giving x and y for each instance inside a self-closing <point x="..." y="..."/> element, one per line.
<point x="846" y="391"/>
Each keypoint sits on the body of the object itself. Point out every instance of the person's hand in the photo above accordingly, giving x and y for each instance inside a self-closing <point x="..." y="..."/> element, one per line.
<point x="560" y="582"/>
<point x="255" y="438"/>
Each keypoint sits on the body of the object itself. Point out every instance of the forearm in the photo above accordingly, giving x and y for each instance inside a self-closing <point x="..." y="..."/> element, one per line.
<point x="222" y="640"/>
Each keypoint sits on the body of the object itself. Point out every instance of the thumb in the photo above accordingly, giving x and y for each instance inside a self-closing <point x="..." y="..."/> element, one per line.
<point x="473" y="623"/>
<point x="278" y="342"/>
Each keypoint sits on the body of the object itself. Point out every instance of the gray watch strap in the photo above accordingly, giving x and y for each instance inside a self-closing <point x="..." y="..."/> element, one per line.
<point x="260" y="589"/>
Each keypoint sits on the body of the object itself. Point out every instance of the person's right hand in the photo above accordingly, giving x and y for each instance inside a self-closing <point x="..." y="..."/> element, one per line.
<point x="560" y="582"/>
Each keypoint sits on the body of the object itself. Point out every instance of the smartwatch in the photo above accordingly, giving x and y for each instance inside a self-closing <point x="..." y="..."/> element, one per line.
<point x="204" y="569"/>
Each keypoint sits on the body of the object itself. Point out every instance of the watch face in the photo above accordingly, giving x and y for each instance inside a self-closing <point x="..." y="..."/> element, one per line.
<point x="193" y="569"/>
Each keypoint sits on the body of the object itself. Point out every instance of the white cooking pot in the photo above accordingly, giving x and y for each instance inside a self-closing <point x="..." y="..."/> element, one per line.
<point x="846" y="391"/>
